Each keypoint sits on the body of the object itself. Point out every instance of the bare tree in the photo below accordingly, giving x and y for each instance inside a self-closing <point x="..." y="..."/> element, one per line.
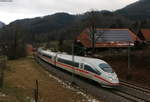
<point x="92" y="19"/>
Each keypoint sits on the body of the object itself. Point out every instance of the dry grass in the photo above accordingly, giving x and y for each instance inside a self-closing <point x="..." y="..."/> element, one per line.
<point x="20" y="82"/>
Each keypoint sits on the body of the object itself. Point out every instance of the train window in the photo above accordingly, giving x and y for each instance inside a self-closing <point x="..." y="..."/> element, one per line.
<point x="60" y="60"/>
<point x="81" y="65"/>
<point x="75" y="64"/>
<point x="88" y="68"/>
<point x="44" y="55"/>
<point x="48" y="56"/>
<point x="106" y="67"/>
<point x="98" y="72"/>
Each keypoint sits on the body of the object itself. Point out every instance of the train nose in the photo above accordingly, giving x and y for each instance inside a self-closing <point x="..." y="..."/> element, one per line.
<point x="114" y="79"/>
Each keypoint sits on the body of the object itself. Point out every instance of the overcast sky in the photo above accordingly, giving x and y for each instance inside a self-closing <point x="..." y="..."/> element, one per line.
<point x="18" y="9"/>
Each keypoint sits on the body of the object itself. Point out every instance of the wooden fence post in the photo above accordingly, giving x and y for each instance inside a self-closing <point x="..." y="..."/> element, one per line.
<point x="3" y="60"/>
<point x="36" y="92"/>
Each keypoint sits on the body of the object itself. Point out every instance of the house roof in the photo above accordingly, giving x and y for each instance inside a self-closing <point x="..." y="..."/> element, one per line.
<point x="85" y="39"/>
<point x="113" y="35"/>
<point x="108" y="38"/>
<point x="146" y="34"/>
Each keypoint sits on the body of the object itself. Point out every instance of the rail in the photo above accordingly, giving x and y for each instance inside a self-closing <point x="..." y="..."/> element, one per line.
<point x="108" y="95"/>
<point x="131" y="85"/>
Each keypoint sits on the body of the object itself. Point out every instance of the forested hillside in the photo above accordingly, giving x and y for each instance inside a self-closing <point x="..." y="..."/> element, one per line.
<point x="64" y="26"/>
<point x="52" y="27"/>
<point x="139" y="10"/>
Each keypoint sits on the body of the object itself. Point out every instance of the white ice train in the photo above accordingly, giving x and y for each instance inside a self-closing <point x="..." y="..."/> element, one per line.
<point x="91" y="68"/>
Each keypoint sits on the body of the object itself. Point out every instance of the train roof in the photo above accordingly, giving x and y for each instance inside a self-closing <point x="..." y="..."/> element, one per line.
<point x="78" y="59"/>
<point x="48" y="52"/>
<point x="81" y="59"/>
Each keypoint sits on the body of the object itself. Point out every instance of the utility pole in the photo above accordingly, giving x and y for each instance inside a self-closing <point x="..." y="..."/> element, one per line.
<point x="73" y="62"/>
<point x="93" y="28"/>
<point x="129" y="57"/>
<point x="128" y="77"/>
<point x="93" y="39"/>
<point x="36" y="91"/>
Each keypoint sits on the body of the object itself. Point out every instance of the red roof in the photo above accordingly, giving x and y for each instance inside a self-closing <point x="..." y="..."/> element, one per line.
<point x="86" y="41"/>
<point x="146" y="34"/>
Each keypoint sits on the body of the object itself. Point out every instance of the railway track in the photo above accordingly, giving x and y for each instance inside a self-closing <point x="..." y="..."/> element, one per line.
<point x="133" y="92"/>
<point x="145" y="90"/>
<point x="128" y="97"/>
<point x="131" y="96"/>
<point x="120" y="94"/>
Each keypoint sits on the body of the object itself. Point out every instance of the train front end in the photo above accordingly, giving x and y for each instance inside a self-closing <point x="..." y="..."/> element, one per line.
<point x="109" y="77"/>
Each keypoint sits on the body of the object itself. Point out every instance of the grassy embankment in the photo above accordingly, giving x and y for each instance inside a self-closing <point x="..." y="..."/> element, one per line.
<point x="19" y="84"/>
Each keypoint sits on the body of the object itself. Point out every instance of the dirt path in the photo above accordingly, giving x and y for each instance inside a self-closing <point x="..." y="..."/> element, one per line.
<point x="20" y="82"/>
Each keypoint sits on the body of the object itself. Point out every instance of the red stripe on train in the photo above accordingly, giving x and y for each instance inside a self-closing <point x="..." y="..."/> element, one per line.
<point x="73" y="68"/>
<point x="96" y="76"/>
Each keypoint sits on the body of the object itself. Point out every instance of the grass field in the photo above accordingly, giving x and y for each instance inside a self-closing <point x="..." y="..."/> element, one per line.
<point x="20" y="79"/>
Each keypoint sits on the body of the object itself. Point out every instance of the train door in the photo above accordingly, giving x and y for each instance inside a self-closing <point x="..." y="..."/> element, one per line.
<point x="83" y="72"/>
<point x="54" y="59"/>
<point x="90" y="71"/>
<point x="81" y="67"/>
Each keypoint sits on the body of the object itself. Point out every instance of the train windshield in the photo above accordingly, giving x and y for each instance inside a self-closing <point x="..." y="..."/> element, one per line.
<point x="106" y="67"/>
